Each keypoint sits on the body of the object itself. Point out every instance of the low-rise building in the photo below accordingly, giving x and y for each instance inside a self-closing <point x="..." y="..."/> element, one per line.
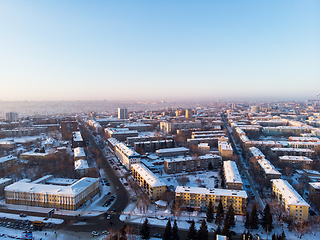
<point x="232" y="176"/>
<point x="314" y="188"/>
<point x="52" y="196"/>
<point x="81" y="167"/>
<point x="120" y="134"/>
<point x="267" y="170"/>
<point x="277" y="152"/>
<point x="77" y="140"/>
<point x="199" y="198"/>
<point x="172" y="152"/>
<point x="190" y="164"/>
<point x="203" y="148"/>
<point x="153" y="185"/>
<point x="8" y="163"/>
<point x="295" y="159"/>
<point x="79" y="153"/>
<point x="287" y="196"/>
<point x="225" y="149"/>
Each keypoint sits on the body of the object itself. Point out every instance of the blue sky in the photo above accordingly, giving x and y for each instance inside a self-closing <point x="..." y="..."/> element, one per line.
<point x="159" y="50"/>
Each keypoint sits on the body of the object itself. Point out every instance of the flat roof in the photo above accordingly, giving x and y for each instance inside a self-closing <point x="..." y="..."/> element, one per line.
<point x="295" y="158"/>
<point x="315" y="185"/>
<point x="147" y="175"/>
<point x="4" y="180"/>
<point x="80" y="164"/>
<point x="292" y="150"/>
<point x="128" y="151"/>
<point x="267" y="167"/>
<point x="172" y="150"/>
<point x="212" y="191"/>
<point x="71" y="190"/>
<point x="79" y="152"/>
<point x="231" y="172"/>
<point x="77" y="136"/>
<point x="7" y="158"/>
<point x="256" y="152"/>
<point x="288" y="193"/>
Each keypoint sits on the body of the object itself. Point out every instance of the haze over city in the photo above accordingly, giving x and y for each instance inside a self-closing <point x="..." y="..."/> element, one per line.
<point x="168" y="50"/>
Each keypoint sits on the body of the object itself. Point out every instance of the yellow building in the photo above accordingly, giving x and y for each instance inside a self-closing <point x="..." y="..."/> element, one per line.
<point x="199" y="198"/>
<point x="294" y="204"/>
<point x="153" y="185"/>
<point x="52" y="196"/>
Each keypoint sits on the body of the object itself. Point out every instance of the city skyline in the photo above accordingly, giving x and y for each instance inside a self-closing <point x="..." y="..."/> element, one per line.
<point x="138" y="51"/>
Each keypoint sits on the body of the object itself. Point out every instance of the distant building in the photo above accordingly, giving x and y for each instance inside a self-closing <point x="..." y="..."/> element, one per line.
<point x="203" y="148"/>
<point x="277" y="152"/>
<point x="120" y="134"/>
<point x="295" y="159"/>
<point x="293" y="203"/>
<point x="7" y="164"/>
<point x="172" y="152"/>
<point x="255" y="109"/>
<point x="122" y="113"/>
<point x="77" y="140"/>
<point x="190" y="164"/>
<point x="153" y="185"/>
<point x="152" y="146"/>
<point x="199" y="198"/>
<point x="172" y="127"/>
<point x="188" y="113"/>
<point x="12" y="117"/>
<point x="68" y="126"/>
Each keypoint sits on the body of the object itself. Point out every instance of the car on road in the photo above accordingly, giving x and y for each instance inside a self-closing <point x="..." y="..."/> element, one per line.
<point x="157" y="235"/>
<point x="23" y="215"/>
<point x="109" y="217"/>
<point x="105" y="232"/>
<point x="117" y="187"/>
<point x="95" y="233"/>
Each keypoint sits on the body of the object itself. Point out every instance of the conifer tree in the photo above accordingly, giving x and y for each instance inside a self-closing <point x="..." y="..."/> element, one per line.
<point x="246" y="223"/>
<point x="145" y="230"/>
<point x="203" y="231"/>
<point x="254" y="221"/>
<point x="192" y="233"/>
<point x="167" y="235"/>
<point x="267" y="219"/>
<point x="219" y="214"/>
<point x="210" y="212"/>
<point x="175" y="234"/>
<point x="230" y="216"/>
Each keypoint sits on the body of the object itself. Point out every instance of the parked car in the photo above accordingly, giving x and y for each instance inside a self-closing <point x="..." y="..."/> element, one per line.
<point x="109" y="217"/>
<point x="95" y="233"/>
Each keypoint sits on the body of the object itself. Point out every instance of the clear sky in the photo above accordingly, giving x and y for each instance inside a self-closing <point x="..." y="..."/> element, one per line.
<point x="154" y="50"/>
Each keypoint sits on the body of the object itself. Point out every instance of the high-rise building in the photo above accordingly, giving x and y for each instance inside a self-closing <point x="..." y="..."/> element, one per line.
<point x="12" y="117"/>
<point x="188" y="113"/>
<point x="122" y="113"/>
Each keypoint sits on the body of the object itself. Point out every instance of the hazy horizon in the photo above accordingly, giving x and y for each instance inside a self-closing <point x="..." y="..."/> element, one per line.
<point x="168" y="50"/>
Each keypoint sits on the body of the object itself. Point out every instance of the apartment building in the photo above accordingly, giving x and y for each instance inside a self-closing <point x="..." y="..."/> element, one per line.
<point x="120" y="134"/>
<point x="81" y="167"/>
<point x="199" y="198"/>
<point x="68" y="197"/>
<point x="190" y="164"/>
<point x="225" y="149"/>
<point x="287" y="196"/>
<point x="172" y="152"/>
<point x="172" y="127"/>
<point x="278" y="152"/>
<point x="152" y="146"/>
<point x="12" y="117"/>
<point x="77" y="140"/>
<point x="79" y="153"/>
<point x="295" y="159"/>
<point x="7" y="163"/>
<point x="267" y="170"/>
<point x="122" y="113"/>
<point x="153" y="185"/>
<point x="126" y="155"/>
<point x="232" y="176"/>
<point x="314" y="188"/>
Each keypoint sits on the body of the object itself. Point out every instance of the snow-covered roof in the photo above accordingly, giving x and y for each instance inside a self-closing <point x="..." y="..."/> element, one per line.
<point x="315" y="185"/>
<point x="126" y="150"/>
<point x="267" y="167"/>
<point x="296" y="158"/>
<point x="77" y="137"/>
<point x="256" y="152"/>
<point x="71" y="190"/>
<point x="172" y="150"/>
<point x="231" y="172"/>
<point x="80" y="164"/>
<point x="5" y="180"/>
<point x="292" y="150"/>
<point x="147" y="175"/>
<point x="212" y="191"/>
<point x="289" y="193"/>
<point x="79" y="152"/>
<point x="7" y="158"/>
